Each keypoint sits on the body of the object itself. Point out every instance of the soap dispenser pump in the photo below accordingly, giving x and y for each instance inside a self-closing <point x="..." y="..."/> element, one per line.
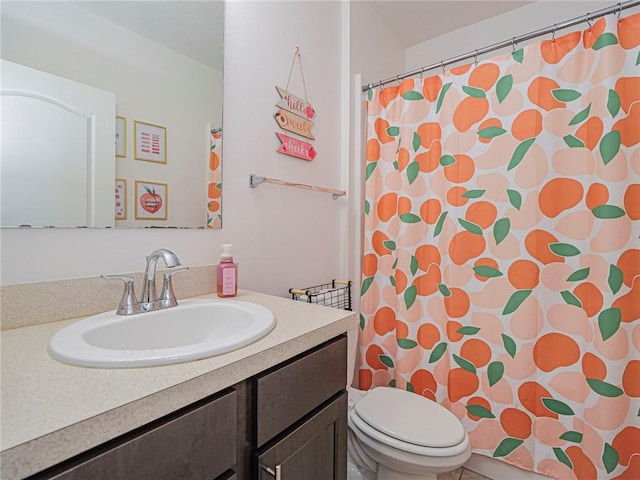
<point x="227" y="273"/>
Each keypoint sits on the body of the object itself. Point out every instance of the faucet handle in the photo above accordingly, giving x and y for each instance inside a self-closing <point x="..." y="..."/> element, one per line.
<point x="167" y="297"/>
<point x="129" y="303"/>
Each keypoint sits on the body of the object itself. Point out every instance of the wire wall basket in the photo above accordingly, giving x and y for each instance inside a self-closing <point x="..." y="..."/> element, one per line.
<point x="336" y="294"/>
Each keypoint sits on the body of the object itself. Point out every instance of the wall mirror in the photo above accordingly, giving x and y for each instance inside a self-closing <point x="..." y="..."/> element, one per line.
<point x="162" y="64"/>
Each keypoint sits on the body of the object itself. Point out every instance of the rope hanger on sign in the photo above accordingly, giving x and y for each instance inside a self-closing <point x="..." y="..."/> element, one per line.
<point x="297" y="54"/>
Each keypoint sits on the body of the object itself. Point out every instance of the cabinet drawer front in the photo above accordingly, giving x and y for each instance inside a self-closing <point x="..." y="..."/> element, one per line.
<point x="287" y="393"/>
<point x="199" y="444"/>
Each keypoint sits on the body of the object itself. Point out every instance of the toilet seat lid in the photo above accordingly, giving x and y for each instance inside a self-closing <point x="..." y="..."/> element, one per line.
<point x="410" y="418"/>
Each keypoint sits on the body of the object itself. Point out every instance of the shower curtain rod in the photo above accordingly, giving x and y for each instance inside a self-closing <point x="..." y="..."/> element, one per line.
<point x="497" y="46"/>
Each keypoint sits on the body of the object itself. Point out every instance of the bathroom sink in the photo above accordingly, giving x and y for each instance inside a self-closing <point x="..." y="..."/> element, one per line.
<point x="193" y="330"/>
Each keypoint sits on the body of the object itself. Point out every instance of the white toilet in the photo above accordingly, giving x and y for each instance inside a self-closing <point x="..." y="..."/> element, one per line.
<point x="398" y="435"/>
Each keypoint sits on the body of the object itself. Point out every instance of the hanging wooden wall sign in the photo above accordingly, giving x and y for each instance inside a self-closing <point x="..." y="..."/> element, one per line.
<point x="295" y="104"/>
<point x="293" y="123"/>
<point x="296" y="148"/>
<point x="294" y="115"/>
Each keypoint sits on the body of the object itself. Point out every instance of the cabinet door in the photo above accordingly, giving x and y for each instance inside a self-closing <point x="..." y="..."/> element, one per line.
<point x="314" y="450"/>
<point x="195" y="443"/>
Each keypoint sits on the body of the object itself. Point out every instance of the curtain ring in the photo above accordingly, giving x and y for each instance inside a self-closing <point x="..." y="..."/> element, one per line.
<point x="588" y="22"/>
<point x="442" y="65"/>
<point x="513" y="43"/>
<point x="421" y="73"/>
<point x="398" y="78"/>
<point x="553" y="36"/>
<point x="475" y="59"/>
<point x="619" y="10"/>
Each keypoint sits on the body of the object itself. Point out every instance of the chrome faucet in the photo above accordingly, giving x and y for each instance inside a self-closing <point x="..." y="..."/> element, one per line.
<point x="149" y="301"/>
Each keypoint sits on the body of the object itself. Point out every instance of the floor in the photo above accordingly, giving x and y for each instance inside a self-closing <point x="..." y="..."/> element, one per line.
<point x="462" y="474"/>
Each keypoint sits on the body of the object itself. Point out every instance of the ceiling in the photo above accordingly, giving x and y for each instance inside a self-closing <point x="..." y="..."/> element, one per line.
<point x="416" y="21"/>
<point x="192" y="28"/>
<point x="195" y="28"/>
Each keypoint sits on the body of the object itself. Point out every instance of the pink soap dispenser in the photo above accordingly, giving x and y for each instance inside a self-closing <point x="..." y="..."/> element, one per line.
<point x="227" y="274"/>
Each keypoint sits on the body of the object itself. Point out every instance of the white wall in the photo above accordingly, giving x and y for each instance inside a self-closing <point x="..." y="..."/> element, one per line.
<point x="289" y="237"/>
<point x="376" y="53"/>
<point x="282" y="237"/>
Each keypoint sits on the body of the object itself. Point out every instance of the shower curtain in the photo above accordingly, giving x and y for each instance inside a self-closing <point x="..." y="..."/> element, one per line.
<point x="501" y="268"/>
<point x="214" y="180"/>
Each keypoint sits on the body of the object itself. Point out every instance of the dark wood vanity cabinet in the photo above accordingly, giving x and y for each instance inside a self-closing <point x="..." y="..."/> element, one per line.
<point x="301" y="417"/>
<point x="289" y="420"/>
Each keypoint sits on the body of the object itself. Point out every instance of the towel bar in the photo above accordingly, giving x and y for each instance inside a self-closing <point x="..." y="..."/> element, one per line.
<point x="255" y="180"/>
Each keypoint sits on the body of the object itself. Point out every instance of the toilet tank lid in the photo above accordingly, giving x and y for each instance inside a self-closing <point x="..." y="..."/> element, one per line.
<point x="410" y="417"/>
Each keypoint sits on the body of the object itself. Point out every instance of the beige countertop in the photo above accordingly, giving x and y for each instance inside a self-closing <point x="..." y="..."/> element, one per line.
<point x="51" y="411"/>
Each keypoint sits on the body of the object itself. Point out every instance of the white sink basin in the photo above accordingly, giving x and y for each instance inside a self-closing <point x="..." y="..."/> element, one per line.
<point x="193" y="330"/>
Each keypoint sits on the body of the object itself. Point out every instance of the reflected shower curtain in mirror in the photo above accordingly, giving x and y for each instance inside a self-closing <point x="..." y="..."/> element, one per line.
<point x="501" y="268"/>
<point x="214" y="180"/>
